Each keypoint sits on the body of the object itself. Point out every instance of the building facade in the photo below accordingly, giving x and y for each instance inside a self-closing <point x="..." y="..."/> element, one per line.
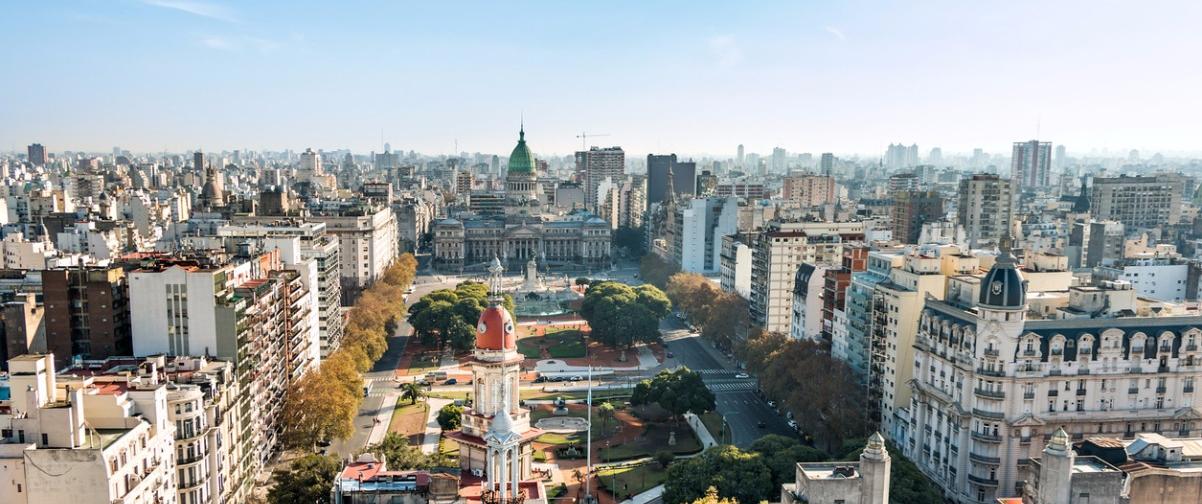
<point x="985" y="209"/>
<point x="1138" y="202"/>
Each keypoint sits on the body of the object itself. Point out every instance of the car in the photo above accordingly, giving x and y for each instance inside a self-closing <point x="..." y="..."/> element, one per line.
<point x="450" y="381"/>
<point x="410" y="289"/>
<point x="772" y="404"/>
<point x="761" y="424"/>
<point x="742" y="375"/>
<point x="793" y="424"/>
<point x="671" y="355"/>
<point x="577" y="378"/>
<point x="540" y="379"/>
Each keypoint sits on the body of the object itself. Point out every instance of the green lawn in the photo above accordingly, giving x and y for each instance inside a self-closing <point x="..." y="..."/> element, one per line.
<point x="403" y="408"/>
<point x="598" y="395"/>
<point x="421" y="363"/>
<point x="628" y="481"/>
<point x="560" y="343"/>
<point x="557" y="439"/>
<point x="653" y="439"/>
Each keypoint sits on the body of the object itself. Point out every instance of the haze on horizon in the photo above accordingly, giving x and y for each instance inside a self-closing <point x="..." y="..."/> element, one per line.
<point x="686" y="77"/>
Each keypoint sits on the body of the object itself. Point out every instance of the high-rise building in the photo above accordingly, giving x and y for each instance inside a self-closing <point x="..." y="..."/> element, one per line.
<point x="827" y="164"/>
<point x="1138" y="202"/>
<point x="739" y="157"/>
<point x="87" y="313"/>
<point x="368" y="242"/>
<point x="198" y="162"/>
<point x="807" y="191"/>
<point x="1030" y="164"/>
<point x="694" y="236"/>
<point x="37" y="155"/>
<point x="912" y="209"/>
<point x="1061" y="157"/>
<point x="778" y="160"/>
<point x="684" y="177"/>
<point x="985" y="208"/>
<point x="597" y="164"/>
<point x="936" y="156"/>
<point x="310" y="165"/>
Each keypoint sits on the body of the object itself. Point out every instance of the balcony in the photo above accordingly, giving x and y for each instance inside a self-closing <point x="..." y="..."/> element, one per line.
<point x="1133" y="390"/>
<point x="1053" y="393"/>
<point x="1192" y="347"/>
<point x="1029" y="353"/>
<point x="984" y="437"/>
<point x="1160" y="390"/>
<point x="1081" y="392"/>
<point x="1188" y="389"/>
<point x="990" y="372"/>
<point x="982" y="481"/>
<point x="991" y="352"/>
<point x="1029" y="395"/>
<point x="997" y="415"/>
<point x="984" y="459"/>
<point x="991" y="394"/>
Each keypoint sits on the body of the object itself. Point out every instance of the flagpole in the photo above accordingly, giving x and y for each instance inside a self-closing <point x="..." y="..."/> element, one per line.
<point x="588" y="446"/>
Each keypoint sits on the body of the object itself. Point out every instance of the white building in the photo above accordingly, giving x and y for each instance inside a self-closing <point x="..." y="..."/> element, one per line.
<point x="807" y="301"/>
<point x="1161" y="279"/>
<point x="367" y="239"/>
<point x="83" y="443"/>
<point x="17" y="253"/>
<point x="736" y="265"/>
<point x="778" y="251"/>
<point x="695" y="238"/>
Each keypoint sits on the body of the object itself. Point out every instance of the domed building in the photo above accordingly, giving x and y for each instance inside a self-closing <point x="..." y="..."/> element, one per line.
<point x="495" y="438"/>
<point x="526" y="230"/>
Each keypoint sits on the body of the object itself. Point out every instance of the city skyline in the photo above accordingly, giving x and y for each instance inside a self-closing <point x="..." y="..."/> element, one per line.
<point x="175" y="75"/>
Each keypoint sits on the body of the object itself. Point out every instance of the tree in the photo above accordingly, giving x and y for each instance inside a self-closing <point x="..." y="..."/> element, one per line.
<point x="450" y="416"/>
<point x="621" y="315"/>
<point x="582" y="281"/>
<point x="395" y="450"/>
<point x="678" y="391"/>
<point x="606" y="411"/>
<point x="317" y="408"/>
<point x="711" y="497"/>
<point x="306" y="481"/>
<point x="735" y="473"/>
<point x="664" y="458"/>
<point x="760" y="347"/>
<point x="781" y="454"/>
<point x="822" y="392"/>
<point x="726" y="320"/>
<point x="461" y="336"/>
<point x="412" y="391"/>
<point x="449" y="317"/>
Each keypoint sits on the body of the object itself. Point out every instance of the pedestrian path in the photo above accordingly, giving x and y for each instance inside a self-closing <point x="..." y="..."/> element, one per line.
<point x="433" y="430"/>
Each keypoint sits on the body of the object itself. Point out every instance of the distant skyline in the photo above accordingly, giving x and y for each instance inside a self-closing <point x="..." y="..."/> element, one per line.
<point x="687" y="77"/>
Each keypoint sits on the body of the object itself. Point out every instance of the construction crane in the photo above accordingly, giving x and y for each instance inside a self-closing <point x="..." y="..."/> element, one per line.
<point x="584" y="138"/>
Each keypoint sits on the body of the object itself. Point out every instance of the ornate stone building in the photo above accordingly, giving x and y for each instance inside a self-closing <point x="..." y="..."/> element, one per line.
<point x="526" y="231"/>
<point x="995" y="380"/>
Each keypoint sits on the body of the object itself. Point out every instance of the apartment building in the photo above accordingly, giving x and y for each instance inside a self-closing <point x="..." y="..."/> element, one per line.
<point x="87" y="313"/>
<point x="807" y="191"/>
<point x="694" y="236"/>
<point x="367" y="237"/>
<point x="985" y="208"/>
<point x="735" y="263"/>
<point x="779" y="251"/>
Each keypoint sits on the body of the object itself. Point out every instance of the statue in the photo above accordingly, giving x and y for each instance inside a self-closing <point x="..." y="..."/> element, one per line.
<point x="532" y="281"/>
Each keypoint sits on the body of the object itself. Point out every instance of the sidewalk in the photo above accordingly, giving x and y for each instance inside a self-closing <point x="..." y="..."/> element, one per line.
<point x="383" y="418"/>
<point x="433" y="430"/>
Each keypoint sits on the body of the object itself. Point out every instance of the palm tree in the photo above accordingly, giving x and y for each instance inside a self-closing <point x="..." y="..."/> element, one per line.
<point x="412" y="391"/>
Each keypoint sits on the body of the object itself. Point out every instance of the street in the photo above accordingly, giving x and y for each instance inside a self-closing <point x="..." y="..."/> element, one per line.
<point x="737" y="400"/>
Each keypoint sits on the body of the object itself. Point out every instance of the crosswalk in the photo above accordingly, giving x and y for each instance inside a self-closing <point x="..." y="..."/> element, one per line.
<point x="739" y="386"/>
<point x="707" y="372"/>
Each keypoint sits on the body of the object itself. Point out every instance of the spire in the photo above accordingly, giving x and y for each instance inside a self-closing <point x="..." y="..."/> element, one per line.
<point x="875" y="449"/>
<point x="522" y="129"/>
<point x="1059" y="442"/>
<point x="670" y="195"/>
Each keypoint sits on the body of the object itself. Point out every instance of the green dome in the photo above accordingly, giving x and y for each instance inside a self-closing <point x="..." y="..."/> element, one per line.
<point x="521" y="161"/>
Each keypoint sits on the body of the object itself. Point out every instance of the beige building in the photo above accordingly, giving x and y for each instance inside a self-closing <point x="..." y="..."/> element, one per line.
<point x="807" y="191"/>
<point x="1138" y="202"/>
<point x="81" y="442"/>
<point x="367" y="240"/>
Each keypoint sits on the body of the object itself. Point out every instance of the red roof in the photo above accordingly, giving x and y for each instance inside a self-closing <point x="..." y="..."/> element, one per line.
<point x="495" y="330"/>
<point x="361" y="470"/>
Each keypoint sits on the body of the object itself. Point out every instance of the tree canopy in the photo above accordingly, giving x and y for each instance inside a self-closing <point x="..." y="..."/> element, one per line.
<point x="825" y="397"/>
<point x="722" y="316"/>
<point x="907" y="484"/>
<point x="306" y="481"/>
<point x="735" y="474"/>
<point x="448" y="316"/>
<point x="620" y="315"/>
<point x="631" y="240"/>
<point x="677" y="391"/>
<point x="321" y="404"/>
<point x="450" y="416"/>
<point x="781" y="454"/>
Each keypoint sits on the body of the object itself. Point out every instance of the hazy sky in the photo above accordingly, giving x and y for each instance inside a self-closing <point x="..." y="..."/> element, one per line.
<point x="687" y="76"/>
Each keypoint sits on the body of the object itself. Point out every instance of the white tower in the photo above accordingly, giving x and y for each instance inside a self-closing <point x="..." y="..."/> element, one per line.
<point x="1055" y="469"/>
<point x="874" y="467"/>
<point x="504" y="457"/>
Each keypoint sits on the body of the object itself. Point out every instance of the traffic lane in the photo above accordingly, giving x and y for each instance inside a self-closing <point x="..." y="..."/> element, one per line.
<point x="689" y="352"/>
<point x="744" y="411"/>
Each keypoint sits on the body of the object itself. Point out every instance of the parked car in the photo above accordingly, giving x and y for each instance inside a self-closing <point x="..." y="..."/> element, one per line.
<point x="577" y="378"/>
<point x="540" y="379"/>
<point x="761" y="424"/>
<point x="451" y="381"/>
<point x="772" y="404"/>
<point x="742" y="375"/>
<point x="671" y="355"/>
<point x="793" y="424"/>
